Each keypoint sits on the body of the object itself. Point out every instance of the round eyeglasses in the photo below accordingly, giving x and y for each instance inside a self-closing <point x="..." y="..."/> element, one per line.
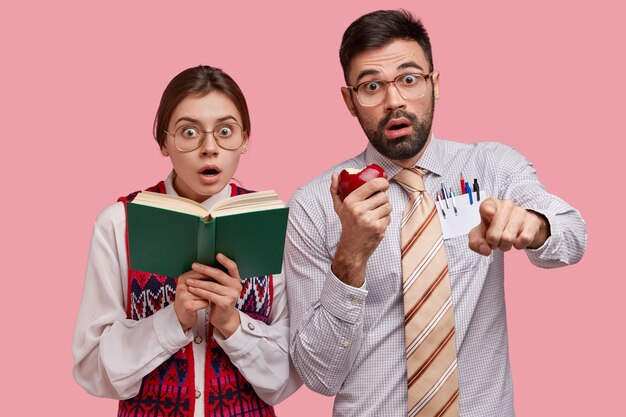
<point x="227" y="136"/>
<point x="410" y="87"/>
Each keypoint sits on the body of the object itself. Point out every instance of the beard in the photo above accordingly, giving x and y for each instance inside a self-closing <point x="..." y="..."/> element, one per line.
<point x="403" y="147"/>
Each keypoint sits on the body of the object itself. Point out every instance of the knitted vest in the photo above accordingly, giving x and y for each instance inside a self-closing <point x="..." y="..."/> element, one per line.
<point x="169" y="390"/>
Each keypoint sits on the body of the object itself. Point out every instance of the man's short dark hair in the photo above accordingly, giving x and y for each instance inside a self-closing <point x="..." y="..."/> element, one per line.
<point x="379" y="28"/>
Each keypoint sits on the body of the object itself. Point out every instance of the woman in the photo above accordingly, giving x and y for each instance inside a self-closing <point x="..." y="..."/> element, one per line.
<point x="188" y="351"/>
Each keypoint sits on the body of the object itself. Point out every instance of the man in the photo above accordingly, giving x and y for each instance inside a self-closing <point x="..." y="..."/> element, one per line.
<point x="351" y="284"/>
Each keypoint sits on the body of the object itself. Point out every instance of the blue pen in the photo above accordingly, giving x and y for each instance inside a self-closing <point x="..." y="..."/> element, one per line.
<point x="456" y="212"/>
<point x="469" y="192"/>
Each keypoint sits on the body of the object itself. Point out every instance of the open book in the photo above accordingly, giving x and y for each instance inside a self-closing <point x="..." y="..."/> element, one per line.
<point x="167" y="233"/>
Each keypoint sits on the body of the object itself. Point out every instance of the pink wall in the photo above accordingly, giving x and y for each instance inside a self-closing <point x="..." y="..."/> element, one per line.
<point x="81" y="82"/>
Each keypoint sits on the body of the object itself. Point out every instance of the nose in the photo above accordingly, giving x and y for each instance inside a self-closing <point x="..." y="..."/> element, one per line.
<point x="209" y="147"/>
<point x="393" y="99"/>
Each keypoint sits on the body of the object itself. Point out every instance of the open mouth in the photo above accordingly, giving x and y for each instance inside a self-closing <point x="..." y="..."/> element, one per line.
<point x="210" y="172"/>
<point x="398" y="126"/>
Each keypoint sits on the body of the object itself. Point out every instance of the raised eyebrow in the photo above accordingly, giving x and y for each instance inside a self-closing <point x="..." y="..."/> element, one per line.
<point x="227" y="117"/>
<point x="365" y="73"/>
<point x="411" y="64"/>
<point x="196" y="121"/>
<point x="404" y="65"/>
<point x="186" y="119"/>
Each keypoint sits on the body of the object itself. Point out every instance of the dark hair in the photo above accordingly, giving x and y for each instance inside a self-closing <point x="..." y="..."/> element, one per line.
<point x="379" y="28"/>
<point x="198" y="81"/>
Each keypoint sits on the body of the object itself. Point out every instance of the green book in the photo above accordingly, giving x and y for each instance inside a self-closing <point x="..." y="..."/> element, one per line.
<point x="166" y="233"/>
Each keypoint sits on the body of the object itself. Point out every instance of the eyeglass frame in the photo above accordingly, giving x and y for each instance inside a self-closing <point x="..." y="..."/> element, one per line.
<point x="426" y="77"/>
<point x="206" y="133"/>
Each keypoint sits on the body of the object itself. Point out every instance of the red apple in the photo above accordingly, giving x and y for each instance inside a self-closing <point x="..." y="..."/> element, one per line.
<point x="352" y="178"/>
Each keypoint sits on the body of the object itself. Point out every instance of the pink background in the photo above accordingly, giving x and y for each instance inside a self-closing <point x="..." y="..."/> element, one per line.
<point x="81" y="82"/>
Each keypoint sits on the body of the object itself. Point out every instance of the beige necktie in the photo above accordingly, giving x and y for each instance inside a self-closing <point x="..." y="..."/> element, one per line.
<point x="433" y="387"/>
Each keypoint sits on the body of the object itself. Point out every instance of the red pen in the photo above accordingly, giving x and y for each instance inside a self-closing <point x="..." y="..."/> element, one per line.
<point x="462" y="184"/>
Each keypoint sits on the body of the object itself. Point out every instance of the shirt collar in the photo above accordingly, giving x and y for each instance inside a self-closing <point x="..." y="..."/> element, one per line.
<point x="430" y="161"/>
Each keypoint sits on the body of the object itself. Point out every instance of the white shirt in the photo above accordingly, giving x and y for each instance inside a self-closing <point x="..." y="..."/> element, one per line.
<point x="350" y="342"/>
<point x="112" y="354"/>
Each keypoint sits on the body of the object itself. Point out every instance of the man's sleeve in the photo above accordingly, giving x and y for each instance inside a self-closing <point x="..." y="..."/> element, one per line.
<point x="326" y="314"/>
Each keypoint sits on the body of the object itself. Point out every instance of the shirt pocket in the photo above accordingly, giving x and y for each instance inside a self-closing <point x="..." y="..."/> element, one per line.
<point x="462" y="259"/>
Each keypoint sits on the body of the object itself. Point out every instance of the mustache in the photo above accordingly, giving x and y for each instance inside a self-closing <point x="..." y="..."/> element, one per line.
<point x="396" y="115"/>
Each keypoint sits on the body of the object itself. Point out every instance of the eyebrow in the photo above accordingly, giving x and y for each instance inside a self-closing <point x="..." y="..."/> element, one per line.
<point x="218" y="121"/>
<point x="408" y="64"/>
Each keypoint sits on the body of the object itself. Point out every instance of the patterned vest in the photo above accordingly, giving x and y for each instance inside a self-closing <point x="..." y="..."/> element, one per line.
<point x="169" y="390"/>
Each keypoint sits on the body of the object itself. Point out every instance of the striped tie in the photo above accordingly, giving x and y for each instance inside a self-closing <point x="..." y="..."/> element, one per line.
<point x="433" y="388"/>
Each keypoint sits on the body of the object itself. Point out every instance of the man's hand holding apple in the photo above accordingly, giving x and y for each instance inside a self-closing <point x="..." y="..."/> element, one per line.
<point x="360" y="200"/>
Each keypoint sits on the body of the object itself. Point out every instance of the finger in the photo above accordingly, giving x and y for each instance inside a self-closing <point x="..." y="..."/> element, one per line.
<point x="381" y="211"/>
<point x="213" y="273"/>
<point x="498" y="224"/>
<point x="477" y="241"/>
<point x="195" y="305"/>
<point x="184" y="293"/>
<point x="528" y="232"/>
<point x="223" y="302"/>
<point x="210" y="292"/>
<point x="231" y="266"/>
<point x="487" y="210"/>
<point x="334" y="191"/>
<point x="215" y="299"/>
<point x="182" y="286"/>
<point x="374" y="201"/>
<point x="369" y="188"/>
<point x="215" y="287"/>
<point x="512" y="229"/>
<point x="181" y="281"/>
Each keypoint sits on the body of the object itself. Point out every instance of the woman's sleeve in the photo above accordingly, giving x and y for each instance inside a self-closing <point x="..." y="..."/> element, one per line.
<point x="260" y="351"/>
<point x="112" y="354"/>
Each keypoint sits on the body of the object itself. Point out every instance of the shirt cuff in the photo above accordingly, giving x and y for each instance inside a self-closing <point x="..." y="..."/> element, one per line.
<point x="242" y="341"/>
<point x="551" y="248"/>
<point x="168" y="330"/>
<point x="342" y="300"/>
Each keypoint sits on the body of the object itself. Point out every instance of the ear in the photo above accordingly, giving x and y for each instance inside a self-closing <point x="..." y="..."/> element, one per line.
<point x="244" y="146"/>
<point x="164" y="150"/>
<point x="347" y="98"/>
<point x="436" y="85"/>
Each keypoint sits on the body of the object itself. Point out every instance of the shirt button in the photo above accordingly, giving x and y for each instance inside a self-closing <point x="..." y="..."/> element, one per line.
<point x="251" y="326"/>
<point x="355" y="302"/>
<point x="197" y="339"/>
<point x="345" y="343"/>
<point x="198" y="393"/>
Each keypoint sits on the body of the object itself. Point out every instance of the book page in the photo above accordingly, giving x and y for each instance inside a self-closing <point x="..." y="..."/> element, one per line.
<point x="171" y="202"/>
<point x="262" y="200"/>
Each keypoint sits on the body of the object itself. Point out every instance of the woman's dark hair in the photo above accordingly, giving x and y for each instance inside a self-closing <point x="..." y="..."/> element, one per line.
<point x="197" y="81"/>
<point x="379" y="28"/>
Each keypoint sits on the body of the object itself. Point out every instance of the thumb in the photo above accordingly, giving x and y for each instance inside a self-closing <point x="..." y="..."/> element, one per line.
<point x="334" y="191"/>
<point x="477" y="239"/>
<point x="488" y="210"/>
